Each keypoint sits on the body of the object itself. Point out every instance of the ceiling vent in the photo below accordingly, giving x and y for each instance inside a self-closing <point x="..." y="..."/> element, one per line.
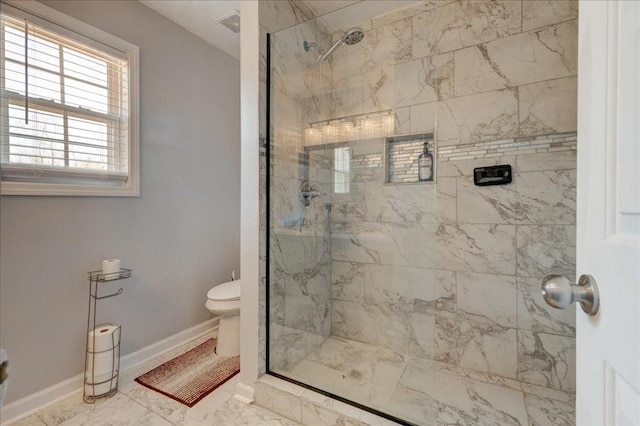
<point x="231" y="20"/>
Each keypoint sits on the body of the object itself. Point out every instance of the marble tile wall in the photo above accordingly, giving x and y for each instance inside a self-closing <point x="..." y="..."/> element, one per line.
<point x="451" y="271"/>
<point x="446" y="271"/>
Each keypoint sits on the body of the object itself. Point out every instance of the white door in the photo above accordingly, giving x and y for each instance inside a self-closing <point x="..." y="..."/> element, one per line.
<point x="608" y="344"/>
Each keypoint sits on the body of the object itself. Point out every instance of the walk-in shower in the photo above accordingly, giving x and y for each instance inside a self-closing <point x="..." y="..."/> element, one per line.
<point x="420" y="300"/>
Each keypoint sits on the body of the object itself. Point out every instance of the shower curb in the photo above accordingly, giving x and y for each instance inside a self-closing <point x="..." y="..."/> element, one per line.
<point x="309" y="407"/>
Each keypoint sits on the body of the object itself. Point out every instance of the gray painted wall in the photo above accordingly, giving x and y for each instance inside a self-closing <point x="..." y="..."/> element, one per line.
<point x="181" y="237"/>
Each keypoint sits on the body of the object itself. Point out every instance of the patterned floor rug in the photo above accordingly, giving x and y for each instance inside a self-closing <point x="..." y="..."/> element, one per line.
<point x="193" y="375"/>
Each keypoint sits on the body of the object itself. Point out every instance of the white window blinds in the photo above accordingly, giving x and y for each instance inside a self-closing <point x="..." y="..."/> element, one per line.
<point x="64" y="109"/>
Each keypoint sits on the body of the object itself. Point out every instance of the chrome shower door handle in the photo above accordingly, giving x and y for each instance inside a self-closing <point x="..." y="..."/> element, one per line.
<point x="559" y="293"/>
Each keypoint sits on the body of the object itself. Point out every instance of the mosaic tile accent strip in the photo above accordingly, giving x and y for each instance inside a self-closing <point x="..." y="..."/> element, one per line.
<point x="366" y="161"/>
<point x="546" y="143"/>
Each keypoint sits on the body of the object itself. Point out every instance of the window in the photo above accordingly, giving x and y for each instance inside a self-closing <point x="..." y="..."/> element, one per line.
<point x="341" y="170"/>
<point x="69" y="106"/>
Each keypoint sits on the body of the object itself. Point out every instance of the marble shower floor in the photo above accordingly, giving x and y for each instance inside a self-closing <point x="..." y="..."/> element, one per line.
<point x="428" y="392"/>
<point x="136" y="405"/>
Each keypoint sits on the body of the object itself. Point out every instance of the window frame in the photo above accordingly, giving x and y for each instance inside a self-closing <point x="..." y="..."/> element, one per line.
<point x="47" y="18"/>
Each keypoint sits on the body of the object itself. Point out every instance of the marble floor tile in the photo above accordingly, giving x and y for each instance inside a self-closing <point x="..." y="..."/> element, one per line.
<point x="423" y="391"/>
<point x="32" y="420"/>
<point x="119" y="409"/>
<point x="415" y="389"/>
<point x="65" y="409"/>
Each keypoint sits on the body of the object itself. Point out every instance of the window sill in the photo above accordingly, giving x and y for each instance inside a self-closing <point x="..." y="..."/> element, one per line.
<point x="43" y="189"/>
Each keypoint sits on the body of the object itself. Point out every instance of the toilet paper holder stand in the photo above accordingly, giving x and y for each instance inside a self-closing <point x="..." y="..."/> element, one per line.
<point x="111" y="382"/>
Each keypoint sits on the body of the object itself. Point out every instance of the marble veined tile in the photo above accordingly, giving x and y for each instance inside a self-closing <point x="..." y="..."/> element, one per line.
<point x="547" y="360"/>
<point x="455" y="168"/>
<point x="488" y="298"/>
<point x="399" y="203"/>
<point x="487" y="347"/>
<point x="481" y="346"/>
<point x="547" y="249"/>
<point x="476" y="73"/>
<point x="484" y="377"/>
<point x="549" y="412"/>
<point x="524" y="58"/>
<point x="276" y="301"/>
<point x="315" y="415"/>
<point x="422" y="117"/>
<point x="402" y="204"/>
<point x="66" y="409"/>
<point x="154" y="401"/>
<point x="185" y="415"/>
<point x="464" y="401"/>
<point x="387" y="45"/>
<point x="485" y="204"/>
<point x="32" y="420"/>
<point x="347" y="281"/>
<point x="308" y="300"/>
<point x="378" y="89"/>
<point x="386" y="243"/>
<point x="535" y="315"/>
<point x="294" y="252"/>
<point x="236" y="413"/>
<point x="563" y="160"/>
<point x="289" y="345"/>
<point x="414" y="82"/>
<point x="546" y="197"/>
<point x="360" y="361"/>
<point x="549" y="107"/>
<point x="413" y="406"/>
<point x="405" y="12"/>
<point x="479" y="117"/>
<point x="540" y="13"/>
<point x="422" y="334"/>
<point x="277" y="15"/>
<point x="402" y="120"/>
<point x="363" y="322"/>
<point x="417" y="286"/>
<point x="119" y="409"/>
<point x="278" y="400"/>
<point x="347" y="97"/>
<point x="381" y="47"/>
<point x="463" y="24"/>
<point x="475" y="248"/>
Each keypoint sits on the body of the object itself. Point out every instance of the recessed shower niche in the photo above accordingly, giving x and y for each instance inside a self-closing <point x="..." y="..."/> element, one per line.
<point x="405" y="155"/>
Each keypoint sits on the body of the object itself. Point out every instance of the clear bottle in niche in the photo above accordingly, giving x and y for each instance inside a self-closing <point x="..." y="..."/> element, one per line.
<point x="425" y="165"/>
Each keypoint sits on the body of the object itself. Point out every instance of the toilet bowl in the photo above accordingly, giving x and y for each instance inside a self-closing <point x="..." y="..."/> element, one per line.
<point x="224" y="300"/>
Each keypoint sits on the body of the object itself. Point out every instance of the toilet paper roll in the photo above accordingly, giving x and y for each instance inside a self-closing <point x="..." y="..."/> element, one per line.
<point x="104" y="338"/>
<point x="110" y="266"/>
<point x="102" y="363"/>
<point x="100" y="384"/>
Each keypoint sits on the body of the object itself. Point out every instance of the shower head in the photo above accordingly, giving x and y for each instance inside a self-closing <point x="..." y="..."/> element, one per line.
<point x="351" y="37"/>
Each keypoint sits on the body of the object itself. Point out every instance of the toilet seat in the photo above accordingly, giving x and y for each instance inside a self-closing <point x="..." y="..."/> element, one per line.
<point x="225" y="292"/>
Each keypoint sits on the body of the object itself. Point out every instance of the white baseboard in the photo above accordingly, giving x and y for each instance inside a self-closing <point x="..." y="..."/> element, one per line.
<point x="28" y="405"/>
<point x="244" y="393"/>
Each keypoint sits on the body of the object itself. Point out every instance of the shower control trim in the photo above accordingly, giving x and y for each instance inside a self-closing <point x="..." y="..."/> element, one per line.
<point x="493" y="175"/>
<point x="307" y="193"/>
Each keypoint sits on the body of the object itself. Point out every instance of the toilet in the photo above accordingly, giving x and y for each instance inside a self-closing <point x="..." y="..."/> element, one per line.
<point x="224" y="300"/>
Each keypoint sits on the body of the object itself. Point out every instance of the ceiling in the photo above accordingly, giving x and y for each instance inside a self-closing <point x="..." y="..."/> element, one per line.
<point x="199" y="17"/>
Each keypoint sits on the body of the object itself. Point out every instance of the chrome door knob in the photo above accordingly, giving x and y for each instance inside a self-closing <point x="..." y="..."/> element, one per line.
<point x="559" y="293"/>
